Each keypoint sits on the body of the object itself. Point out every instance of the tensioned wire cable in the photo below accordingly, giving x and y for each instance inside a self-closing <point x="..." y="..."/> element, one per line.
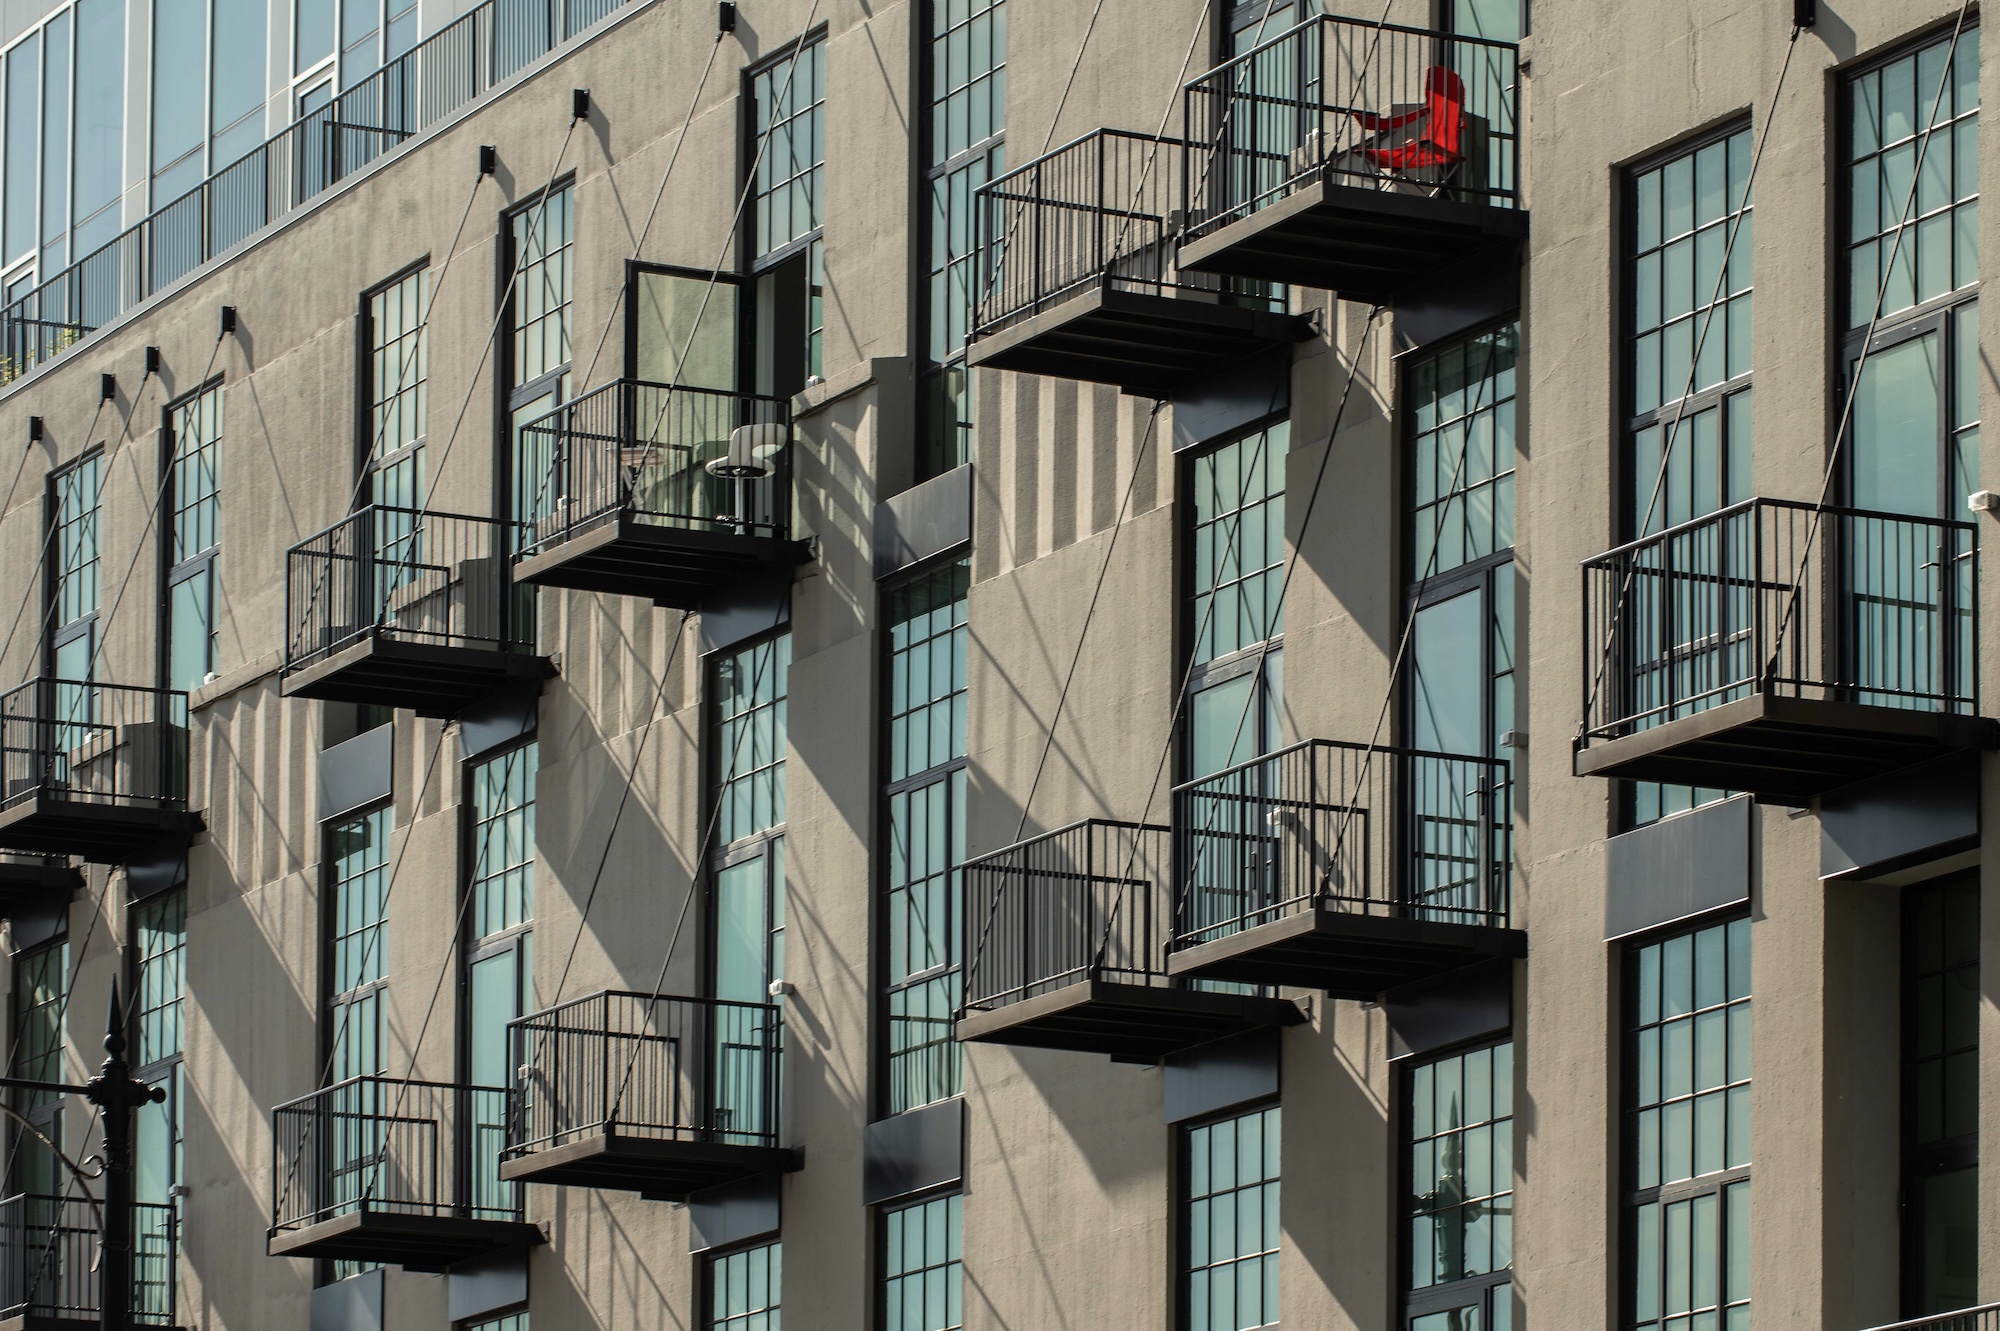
<point x="1874" y="321"/>
<point x="1672" y="432"/>
<point x="49" y="538"/>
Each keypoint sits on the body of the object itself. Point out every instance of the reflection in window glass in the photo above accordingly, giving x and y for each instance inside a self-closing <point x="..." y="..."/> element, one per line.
<point x="1913" y="178"/>
<point x="1941" y="1097"/>
<point x="1688" y="1128"/>
<point x="1461" y="1175"/>
<point x="923" y="1277"/>
<point x="745" y="1288"/>
<point x="23" y="103"/>
<point x="1229" y="1214"/>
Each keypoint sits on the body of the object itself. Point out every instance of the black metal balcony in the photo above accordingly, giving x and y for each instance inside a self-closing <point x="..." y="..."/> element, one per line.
<point x="1782" y="648"/>
<point x="1067" y="934"/>
<point x="1358" y="157"/>
<point x="92" y="770"/>
<point x="406" y="1173"/>
<point x="1351" y="868"/>
<point x="647" y="1093"/>
<point x="659" y="491"/>
<point x="1079" y="281"/>
<point x="49" y="1254"/>
<point x="36" y="882"/>
<point x="404" y="608"/>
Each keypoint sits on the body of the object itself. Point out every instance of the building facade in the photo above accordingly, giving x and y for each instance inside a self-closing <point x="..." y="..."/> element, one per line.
<point x="999" y="663"/>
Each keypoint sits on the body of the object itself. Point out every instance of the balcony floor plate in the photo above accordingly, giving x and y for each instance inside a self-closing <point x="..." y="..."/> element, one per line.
<point x="670" y="566"/>
<point x="1786" y="749"/>
<point x="1125" y="1021"/>
<point x="412" y="1241"/>
<point x="1345" y="954"/>
<point x="28" y="887"/>
<point x="1368" y="245"/>
<point x="657" y="1169"/>
<point x="428" y="678"/>
<point x="1144" y="342"/>
<point x="40" y="824"/>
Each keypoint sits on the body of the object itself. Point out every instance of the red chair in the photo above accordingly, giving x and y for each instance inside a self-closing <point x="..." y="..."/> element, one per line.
<point x="1440" y="122"/>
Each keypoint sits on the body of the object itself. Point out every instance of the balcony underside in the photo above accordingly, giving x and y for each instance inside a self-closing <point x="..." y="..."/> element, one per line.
<point x="45" y="824"/>
<point x="429" y="679"/>
<point x="1368" y="245"/>
<point x="656" y="1169"/>
<point x="1144" y="342"/>
<point x="1126" y="1021"/>
<point x="412" y="1241"/>
<point x="29" y="887"/>
<point x="50" y="1321"/>
<point x="1785" y="749"/>
<point x="670" y="566"/>
<point x="1347" y="955"/>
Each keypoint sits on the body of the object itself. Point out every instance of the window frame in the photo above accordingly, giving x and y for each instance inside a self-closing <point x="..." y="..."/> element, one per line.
<point x="1182" y="1177"/>
<point x="367" y="467"/>
<point x="1444" y="1296"/>
<point x="58" y="634"/>
<point x="879" y="1292"/>
<point x="765" y="844"/>
<point x="551" y="383"/>
<point x="746" y="312"/>
<point x="711" y="1260"/>
<point x="202" y="563"/>
<point x="334" y="1001"/>
<point x="1919" y="1162"/>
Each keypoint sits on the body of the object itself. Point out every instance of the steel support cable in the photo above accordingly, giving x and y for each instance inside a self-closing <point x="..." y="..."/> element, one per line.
<point x="700" y="870"/>
<point x="62" y="1004"/>
<point x="539" y="212"/>
<point x="1688" y="387"/>
<point x="403" y="366"/>
<point x="48" y="543"/>
<point x="1861" y="361"/>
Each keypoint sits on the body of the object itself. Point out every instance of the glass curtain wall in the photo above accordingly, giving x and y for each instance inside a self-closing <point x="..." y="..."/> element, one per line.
<point x="923" y="887"/>
<point x="964" y="147"/>
<point x="1688" y="427"/>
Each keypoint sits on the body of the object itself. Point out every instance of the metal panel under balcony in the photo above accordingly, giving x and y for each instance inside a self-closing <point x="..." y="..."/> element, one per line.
<point x="49" y="1257"/>
<point x="405" y="1173"/>
<point x="1067" y="934"/>
<point x="1351" y="868"/>
<point x="648" y="1093"/>
<point x="95" y="771"/>
<point x="1078" y="278"/>
<point x="1356" y="157"/>
<point x="660" y="491"/>
<point x="30" y="883"/>
<point x="400" y="607"/>
<point x="1784" y="649"/>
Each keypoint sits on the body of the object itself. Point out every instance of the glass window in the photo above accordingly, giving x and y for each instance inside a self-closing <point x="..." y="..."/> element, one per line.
<point x="55" y="141"/>
<point x="927" y="700"/>
<point x="357" y="853"/>
<point x="236" y="90"/>
<point x="1462" y="486"/>
<point x="750" y="738"/>
<point x="195" y="440"/>
<point x="398" y="366"/>
<point x="160" y="940"/>
<point x="1461" y="1183"/>
<point x="789" y="96"/>
<point x="1688" y="1128"/>
<point x="542" y="237"/>
<point x="312" y="33"/>
<point x="1913" y="178"/>
<point x="967" y="81"/>
<point x="41" y="987"/>
<point x="1239" y="543"/>
<point x="1940" y="1097"/>
<point x="23" y="133"/>
<point x="76" y="540"/>
<point x="180" y="119"/>
<point x="510" y="1322"/>
<point x="503" y="841"/>
<point x="1230" y="1222"/>
<point x="923" y="1276"/>
<point x="100" y="121"/>
<point x="744" y="1289"/>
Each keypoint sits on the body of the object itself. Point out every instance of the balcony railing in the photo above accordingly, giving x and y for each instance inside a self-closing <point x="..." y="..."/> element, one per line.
<point x="406" y="97"/>
<point x="1085" y="901"/>
<point x="434" y="578"/>
<point x="1880" y="609"/>
<point x="49" y="1254"/>
<point x="640" y="451"/>
<point x="108" y="745"/>
<point x="1348" y="828"/>
<point x="652" y="1067"/>
<point x="1361" y="104"/>
<point x="377" y="1144"/>
<point x="1983" y="1318"/>
<point x="1101" y="211"/>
